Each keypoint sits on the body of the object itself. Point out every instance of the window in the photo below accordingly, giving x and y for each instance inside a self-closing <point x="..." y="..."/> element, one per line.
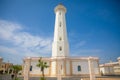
<point x="59" y="13"/>
<point x="60" y="38"/>
<point x="60" y="48"/>
<point x="60" y="24"/>
<point x="79" y="68"/>
<point x="30" y="68"/>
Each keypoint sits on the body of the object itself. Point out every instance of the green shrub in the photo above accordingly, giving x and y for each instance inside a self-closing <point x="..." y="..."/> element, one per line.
<point x="42" y="78"/>
<point x="17" y="79"/>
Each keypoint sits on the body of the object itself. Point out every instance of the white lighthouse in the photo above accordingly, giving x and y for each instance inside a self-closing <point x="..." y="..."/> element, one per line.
<point x="60" y="47"/>
<point x="60" y="63"/>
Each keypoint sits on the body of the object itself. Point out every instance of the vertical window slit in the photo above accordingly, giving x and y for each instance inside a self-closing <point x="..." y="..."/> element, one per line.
<point x="60" y="38"/>
<point x="60" y="48"/>
<point x="60" y="24"/>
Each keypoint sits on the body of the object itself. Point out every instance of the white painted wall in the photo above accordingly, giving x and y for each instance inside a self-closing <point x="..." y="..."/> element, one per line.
<point x="60" y="67"/>
<point x="53" y="68"/>
<point x="57" y="67"/>
<point x="96" y="67"/>
<point x="68" y="67"/>
<point x="108" y="70"/>
<point x="84" y="67"/>
<point x="102" y="70"/>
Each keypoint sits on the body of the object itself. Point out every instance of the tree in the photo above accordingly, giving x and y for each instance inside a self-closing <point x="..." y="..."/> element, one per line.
<point x="16" y="69"/>
<point x="42" y="65"/>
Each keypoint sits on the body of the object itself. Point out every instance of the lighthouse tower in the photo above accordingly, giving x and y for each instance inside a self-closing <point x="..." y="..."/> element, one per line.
<point x="60" y="46"/>
<point x="60" y="63"/>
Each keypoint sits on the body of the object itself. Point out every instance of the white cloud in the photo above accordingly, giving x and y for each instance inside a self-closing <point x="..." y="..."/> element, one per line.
<point x="81" y="49"/>
<point x="87" y="52"/>
<point x="8" y="29"/>
<point x="22" y="42"/>
<point x="4" y="49"/>
<point x="81" y="43"/>
<point x="90" y="50"/>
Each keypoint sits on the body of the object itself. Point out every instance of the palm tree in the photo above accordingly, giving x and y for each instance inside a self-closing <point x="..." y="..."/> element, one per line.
<point x="16" y="69"/>
<point x="42" y="65"/>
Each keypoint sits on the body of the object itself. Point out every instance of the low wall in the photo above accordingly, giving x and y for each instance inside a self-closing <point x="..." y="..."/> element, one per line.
<point x="79" y="78"/>
<point x="104" y="78"/>
<point x="8" y="77"/>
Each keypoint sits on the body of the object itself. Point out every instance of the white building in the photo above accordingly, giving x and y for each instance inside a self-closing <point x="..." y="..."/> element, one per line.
<point x="111" y="68"/>
<point x="61" y="63"/>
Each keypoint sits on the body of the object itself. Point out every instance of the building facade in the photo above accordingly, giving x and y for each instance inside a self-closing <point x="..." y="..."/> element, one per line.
<point x="61" y="63"/>
<point x="5" y="67"/>
<point x="111" y="68"/>
<point x="74" y="66"/>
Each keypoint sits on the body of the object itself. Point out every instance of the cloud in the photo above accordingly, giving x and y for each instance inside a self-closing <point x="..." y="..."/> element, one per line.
<point x="4" y="49"/>
<point x="90" y="50"/>
<point x="81" y="48"/>
<point x="22" y="42"/>
<point x="81" y="43"/>
<point x="87" y="52"/>
<point x="8" y="29"/>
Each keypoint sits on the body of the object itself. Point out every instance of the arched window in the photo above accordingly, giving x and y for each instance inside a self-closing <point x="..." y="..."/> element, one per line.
<point x="30" y="68"/>
<point x="79" y="68"/>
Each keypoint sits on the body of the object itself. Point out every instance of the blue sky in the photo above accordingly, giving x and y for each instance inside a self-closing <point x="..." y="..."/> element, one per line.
<point x="27" y="26"/>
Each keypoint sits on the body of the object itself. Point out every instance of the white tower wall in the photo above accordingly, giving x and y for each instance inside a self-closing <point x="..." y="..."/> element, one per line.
<point x="60" y="46"/>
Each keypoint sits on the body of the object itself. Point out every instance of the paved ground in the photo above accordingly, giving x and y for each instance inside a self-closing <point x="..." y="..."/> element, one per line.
<point x="5" y="77"/>
<point x="51" y="78"/>
<point x="8" y="77"/>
